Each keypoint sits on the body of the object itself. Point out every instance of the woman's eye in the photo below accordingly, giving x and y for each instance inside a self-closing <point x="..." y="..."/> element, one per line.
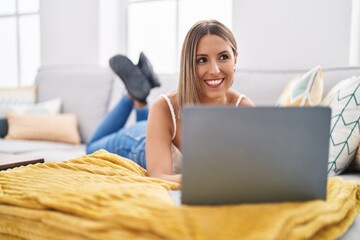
<point x="224" y="57"/>
<point x="201" y="60"/>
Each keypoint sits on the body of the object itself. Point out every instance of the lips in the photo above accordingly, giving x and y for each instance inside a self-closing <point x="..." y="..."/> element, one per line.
<point x="213" y="83"/>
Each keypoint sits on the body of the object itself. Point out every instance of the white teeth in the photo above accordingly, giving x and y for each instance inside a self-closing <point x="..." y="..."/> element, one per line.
<point x="214" y="82"/>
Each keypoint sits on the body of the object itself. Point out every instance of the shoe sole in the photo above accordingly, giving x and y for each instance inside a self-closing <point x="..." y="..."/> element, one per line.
<point x="134" y="80"/>
<point x="147" y="69"/>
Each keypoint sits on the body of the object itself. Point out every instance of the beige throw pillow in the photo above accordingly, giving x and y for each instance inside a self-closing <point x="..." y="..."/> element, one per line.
<point x="58" y="128"/>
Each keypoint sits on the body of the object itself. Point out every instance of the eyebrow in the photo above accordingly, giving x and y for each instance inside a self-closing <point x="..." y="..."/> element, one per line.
<point x="204" y="55"/>
<point x="223" y="52"/>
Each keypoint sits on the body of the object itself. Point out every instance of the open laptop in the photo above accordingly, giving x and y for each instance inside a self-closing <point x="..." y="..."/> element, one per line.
<point x="254" y="155"/>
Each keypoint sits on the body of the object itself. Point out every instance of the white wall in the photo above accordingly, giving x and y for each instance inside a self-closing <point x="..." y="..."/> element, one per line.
<point x="354" y="58"/>
<point x="297" y="34"/>
<point x="69" y="32"/>
<point x="271" y="34"/>
<point x="112" y="20"/>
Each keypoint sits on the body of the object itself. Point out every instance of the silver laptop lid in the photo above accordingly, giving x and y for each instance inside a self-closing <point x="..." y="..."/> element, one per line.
<point x="252" y="155"/>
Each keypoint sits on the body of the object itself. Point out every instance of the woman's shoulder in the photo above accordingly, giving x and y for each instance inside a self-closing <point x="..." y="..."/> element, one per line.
<point x="163" y="109"/>
<point x="164" y="100"/>
<point x="235" y="97"/>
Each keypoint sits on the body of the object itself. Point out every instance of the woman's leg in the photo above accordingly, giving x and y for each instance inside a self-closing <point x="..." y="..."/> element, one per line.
<point x="111" y="134"/>
<point x="141" y="114"/>
<point x="115" y="120"/>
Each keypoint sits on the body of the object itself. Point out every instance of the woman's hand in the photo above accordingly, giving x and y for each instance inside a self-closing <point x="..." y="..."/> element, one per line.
<point x="172" y="178"/>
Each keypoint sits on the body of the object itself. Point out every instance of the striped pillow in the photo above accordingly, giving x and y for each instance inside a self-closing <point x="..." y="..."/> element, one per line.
<point x="306" y="90"/>
<point x="19" y="96"/>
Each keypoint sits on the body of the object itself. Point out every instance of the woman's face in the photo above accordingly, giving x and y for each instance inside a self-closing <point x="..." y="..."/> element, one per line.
<point x="215" y="63"/>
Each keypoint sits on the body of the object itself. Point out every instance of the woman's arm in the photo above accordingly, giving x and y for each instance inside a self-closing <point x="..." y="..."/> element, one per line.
<point x="159" y="163"/>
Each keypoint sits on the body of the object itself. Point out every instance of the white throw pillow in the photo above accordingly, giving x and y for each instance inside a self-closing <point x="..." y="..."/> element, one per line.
<point x="344" y="100"/>
<point x="51" y="107"/>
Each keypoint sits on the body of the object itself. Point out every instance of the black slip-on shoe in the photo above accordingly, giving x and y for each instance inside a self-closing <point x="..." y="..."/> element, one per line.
<point x="135" y="81"/>
<point x="147" y="69"/>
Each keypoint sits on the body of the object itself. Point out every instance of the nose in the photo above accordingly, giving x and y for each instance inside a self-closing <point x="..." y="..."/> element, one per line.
<point x="214" y="68"/>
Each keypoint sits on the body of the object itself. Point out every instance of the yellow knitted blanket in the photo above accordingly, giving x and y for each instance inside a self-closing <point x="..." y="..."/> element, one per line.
<point x="104" y="196"/>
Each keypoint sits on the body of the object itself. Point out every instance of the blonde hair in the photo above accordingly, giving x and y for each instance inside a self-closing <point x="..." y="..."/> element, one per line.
<point x="189" y="90"/>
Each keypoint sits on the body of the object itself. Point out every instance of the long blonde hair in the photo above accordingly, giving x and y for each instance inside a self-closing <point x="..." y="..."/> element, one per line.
<point x="189" y="90"/>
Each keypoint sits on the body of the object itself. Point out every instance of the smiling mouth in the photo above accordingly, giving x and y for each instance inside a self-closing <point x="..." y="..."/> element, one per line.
<point x="213" y="83"/>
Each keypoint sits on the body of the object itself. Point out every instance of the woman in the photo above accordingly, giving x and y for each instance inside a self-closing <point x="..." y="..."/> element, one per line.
<point x="208" y="59"/>
<point x="207" y="68"/>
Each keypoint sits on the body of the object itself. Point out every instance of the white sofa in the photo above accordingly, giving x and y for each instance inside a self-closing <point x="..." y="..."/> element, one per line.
<point x="90" y="92"/>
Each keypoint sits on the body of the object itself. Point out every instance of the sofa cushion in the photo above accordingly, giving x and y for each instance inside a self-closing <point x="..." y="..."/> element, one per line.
<point x="351" y="177"/>
<point x="84" y="90"/>
<point x="50" y="151"/>
<point x="344" y="100"/>
<point x="355" y="163"/>
<point x="18" y="146"/>
<point x="304" y="90"/>
<point x="57" y="155"/>
<point x="58" y="128"/>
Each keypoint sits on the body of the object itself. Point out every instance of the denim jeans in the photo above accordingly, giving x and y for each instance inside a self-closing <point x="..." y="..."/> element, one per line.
<point x="112" y="136"/>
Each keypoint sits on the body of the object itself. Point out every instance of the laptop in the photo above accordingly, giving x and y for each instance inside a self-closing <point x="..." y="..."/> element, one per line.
<point x="237" y="155"/>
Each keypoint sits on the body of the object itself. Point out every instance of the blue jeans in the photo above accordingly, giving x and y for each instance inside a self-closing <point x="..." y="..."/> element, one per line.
<point x="112" y="136"/>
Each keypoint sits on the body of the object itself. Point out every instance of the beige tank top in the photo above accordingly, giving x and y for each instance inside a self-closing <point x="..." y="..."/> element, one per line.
<point x="175" y="152"/>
